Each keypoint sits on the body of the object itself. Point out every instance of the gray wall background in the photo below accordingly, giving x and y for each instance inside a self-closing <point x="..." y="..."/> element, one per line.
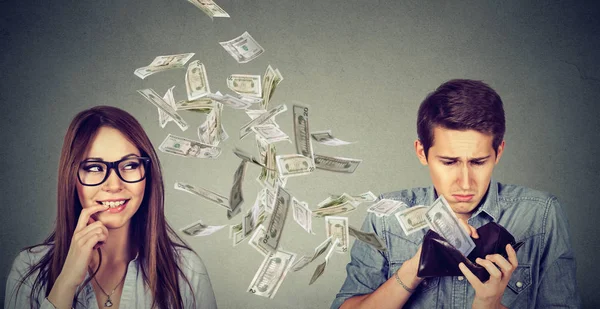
<point x="362" y="66"/>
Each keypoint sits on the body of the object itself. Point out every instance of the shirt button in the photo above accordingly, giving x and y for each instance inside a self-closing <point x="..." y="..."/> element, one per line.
<point x="519" y="284"/>
<point x="461" y="278"/>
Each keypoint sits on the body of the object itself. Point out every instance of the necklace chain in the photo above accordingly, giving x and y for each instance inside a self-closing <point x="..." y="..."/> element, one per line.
<point x="108" y="302"/>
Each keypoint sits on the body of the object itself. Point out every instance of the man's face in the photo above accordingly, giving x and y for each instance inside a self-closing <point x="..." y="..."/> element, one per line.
<point x="460" y="164"/>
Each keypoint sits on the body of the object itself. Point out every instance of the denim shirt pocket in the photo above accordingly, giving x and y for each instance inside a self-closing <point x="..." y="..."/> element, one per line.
<point x="519" y="283"/>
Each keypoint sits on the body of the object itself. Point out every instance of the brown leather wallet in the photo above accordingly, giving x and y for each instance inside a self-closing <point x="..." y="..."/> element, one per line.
<point x="439" y="258"/>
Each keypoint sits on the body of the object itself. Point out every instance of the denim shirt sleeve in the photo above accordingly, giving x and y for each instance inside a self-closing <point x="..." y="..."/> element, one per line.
<point x="558" y="285"/>
<point x="19" y="268"/>
<point x="367" y="269"/>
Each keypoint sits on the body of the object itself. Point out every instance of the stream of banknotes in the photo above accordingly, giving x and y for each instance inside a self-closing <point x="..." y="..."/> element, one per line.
<point x="263" y="224"/>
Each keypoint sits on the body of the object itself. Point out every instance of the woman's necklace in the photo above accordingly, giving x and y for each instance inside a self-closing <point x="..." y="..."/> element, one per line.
<point x="109" y="302"/>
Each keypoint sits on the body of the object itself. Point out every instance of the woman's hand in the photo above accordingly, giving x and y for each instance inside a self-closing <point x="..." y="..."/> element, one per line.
<point x="89" y="234"/>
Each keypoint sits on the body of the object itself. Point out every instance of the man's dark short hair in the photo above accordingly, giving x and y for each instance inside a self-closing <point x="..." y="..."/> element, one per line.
<point x="462" y="104"/>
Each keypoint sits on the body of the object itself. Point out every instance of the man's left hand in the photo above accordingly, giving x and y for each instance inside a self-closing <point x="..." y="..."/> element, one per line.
<point x="489" y="294"/>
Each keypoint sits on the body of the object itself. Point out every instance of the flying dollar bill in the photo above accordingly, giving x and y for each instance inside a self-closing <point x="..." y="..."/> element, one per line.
<point x="243" y="48"/>
<point x="157" y="101"/>
<point x="278" y="217"/>
<point x="271" y="133"/>
<point x="236" y="197"/>
<point x="293" y="165"/>
<point x="181" y="146"/>
<point x="163" y="118"/>
<point x="246" y="85"/>
<point x="412" y="219"/>
<point x="198" y="228"/>
<point x="204" y="193"/>
<point x="163" y="63"/>
<point x="325" y="138"/>
<point x="256" y="241"/>
<point x="369" y="238"/>
<point x="337" y="227"/>
<point x="444" y="221"/>
<point x="247" y="128"/>
<point x="336" y="164"/>
<point x="210" y="8"/>
<point x="196" y="81"/>
<point x="302" y="215"/>
<point x="335" y="206"/>
<point x="301" y="131"/>
<point x="319" y="250"/>
<point x="271" y="273"/>
<point x="321" y="268"/>
<point x="385" y="207"/>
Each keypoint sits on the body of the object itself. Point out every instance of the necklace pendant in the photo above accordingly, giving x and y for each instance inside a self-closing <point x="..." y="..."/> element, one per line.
<point x="108" y="303"/>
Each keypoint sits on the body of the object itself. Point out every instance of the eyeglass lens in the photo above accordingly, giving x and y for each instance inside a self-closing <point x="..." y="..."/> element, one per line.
<point x="129" y="170"/>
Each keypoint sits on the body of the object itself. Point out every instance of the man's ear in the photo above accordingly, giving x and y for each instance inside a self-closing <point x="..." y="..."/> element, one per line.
<point x="499" y="151"/>
<point x="420" y="151"/>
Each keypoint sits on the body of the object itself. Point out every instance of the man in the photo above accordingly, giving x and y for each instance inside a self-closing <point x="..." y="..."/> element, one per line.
<point x="461" y="129"/>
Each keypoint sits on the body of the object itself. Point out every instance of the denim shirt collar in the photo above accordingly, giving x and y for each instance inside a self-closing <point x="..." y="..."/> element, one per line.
<point x="490" y="204"/>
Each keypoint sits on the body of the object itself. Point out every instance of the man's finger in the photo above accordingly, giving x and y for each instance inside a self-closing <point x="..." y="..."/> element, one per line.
<point x="504" y="265"/>
<point x="512" y="255"/>
<point x="490" y="267"/>
<point x="470" y="229"/>
<point x="473" y="280"/>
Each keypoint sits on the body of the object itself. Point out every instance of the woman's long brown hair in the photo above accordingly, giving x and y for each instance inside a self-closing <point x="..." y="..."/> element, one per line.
<point x="154" y="240"/>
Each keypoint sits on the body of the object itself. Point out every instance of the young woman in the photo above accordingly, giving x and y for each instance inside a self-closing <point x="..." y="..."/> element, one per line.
<point x="111" y="246"/>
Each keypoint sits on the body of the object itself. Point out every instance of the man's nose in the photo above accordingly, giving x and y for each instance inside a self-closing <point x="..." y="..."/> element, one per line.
<point x="464" y="178"/>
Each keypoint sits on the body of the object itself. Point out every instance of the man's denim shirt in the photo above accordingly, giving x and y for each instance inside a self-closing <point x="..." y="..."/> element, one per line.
<point x="544" y="278"/>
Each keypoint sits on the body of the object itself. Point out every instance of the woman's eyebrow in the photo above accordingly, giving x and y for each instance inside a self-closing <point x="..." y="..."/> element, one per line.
<point x="100" y="159"/>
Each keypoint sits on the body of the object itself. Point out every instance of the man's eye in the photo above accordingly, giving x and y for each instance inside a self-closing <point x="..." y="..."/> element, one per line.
<point x="478" y="162"/>
<point x="448" y="162"/>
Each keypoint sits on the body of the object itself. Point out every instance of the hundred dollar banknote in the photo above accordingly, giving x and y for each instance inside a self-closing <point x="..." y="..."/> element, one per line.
<point x="196" y="81"/>
<point x="198" y="228"/>
<point x="210" y="8"/>
<point x="204" y="193"/>
<point x="337" y="227"/>
<point x="243" y="48"/>
<point x="277" y="221"/>
<point x="181" y="146"/>
<point x="158" y="101"/>
<point x="412" y="219"/>
<point x="163" y="63"/>
<point x="444" y="221"/>
<point x="271" y="273"/>
<point x="369" y="238"/>
<point x="336" y="164"/>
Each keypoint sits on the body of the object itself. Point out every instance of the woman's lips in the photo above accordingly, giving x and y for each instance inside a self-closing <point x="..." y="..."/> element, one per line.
<point x="463" y="198"/>
<point x="117" y="209"/>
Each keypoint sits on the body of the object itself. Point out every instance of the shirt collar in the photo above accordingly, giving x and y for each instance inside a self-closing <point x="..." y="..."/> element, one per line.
<point x="490" y="203"/>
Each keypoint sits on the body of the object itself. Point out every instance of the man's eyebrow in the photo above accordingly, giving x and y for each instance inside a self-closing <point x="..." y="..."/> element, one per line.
<point x="457" y="158"/>
<point x="123" y="157"/>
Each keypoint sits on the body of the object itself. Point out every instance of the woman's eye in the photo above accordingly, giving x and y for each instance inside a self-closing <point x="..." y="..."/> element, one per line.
<point x="93" y="168"/>
<point x="131" y="166"/>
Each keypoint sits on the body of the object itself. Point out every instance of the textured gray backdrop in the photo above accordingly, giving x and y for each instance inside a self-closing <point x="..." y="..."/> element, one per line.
<point x="362" y="66"/>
